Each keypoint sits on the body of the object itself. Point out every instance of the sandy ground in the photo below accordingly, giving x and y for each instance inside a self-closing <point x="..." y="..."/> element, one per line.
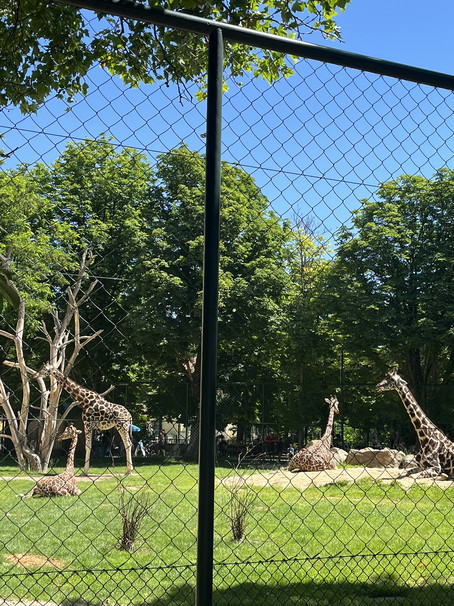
<point x="80" y="478"/>
<point x="303" y="480"/>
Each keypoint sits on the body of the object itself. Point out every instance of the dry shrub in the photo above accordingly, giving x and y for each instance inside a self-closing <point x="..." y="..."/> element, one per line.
<point x="241" y="498"/>
<point x="133" y="509"/>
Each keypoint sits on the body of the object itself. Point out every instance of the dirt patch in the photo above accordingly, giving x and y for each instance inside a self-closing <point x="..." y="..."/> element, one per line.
<point x="305" y="479"/>
<point x="29" y="560"/>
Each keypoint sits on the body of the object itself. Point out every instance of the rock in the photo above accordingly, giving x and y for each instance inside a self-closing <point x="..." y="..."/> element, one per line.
<point x="340" y="456"/>
<point x="372" y="457"/>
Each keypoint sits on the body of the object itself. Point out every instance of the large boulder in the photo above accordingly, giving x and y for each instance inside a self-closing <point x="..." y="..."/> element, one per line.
<point x="340" y="456"/>
<point x="372" y="457"/>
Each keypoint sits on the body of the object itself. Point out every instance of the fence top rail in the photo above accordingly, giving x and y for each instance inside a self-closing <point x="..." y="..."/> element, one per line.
<point x="192" y="23"/>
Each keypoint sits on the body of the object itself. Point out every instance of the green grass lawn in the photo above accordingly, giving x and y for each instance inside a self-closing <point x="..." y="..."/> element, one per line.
<point x="337" y="544"/>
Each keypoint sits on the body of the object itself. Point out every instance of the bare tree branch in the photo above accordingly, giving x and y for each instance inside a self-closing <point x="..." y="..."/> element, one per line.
<point x="7" y="335"/>
<point x="58" y="340"/>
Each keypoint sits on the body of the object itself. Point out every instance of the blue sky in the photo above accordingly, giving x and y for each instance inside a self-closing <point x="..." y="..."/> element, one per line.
<point x="414" y="32"/>
<point x="316" y="143"/>
<point x="389" y="129"/>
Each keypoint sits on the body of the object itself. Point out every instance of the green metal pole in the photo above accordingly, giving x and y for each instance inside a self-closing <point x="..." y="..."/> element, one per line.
<point x="208" y="385"/>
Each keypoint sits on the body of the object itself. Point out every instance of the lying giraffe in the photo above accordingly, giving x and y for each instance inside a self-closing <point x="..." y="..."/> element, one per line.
<point x="64" y="484"/>
<point x="317" y="456"/>
<point x="97" y="413"/>
<point x="436" y="457"/>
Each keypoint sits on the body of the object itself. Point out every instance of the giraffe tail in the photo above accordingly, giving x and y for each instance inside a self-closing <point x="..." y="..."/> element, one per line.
<point x="29" y="494"/>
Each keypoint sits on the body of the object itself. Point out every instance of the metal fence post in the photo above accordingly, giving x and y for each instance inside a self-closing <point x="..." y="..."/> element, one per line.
<point x="207" y="426"/>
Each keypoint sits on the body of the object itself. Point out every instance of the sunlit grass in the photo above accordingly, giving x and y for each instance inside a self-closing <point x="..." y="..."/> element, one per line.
<point x="365" y="535"/>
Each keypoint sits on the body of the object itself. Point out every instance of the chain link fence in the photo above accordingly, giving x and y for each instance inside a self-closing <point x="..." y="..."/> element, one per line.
<point x="335" y="266"/>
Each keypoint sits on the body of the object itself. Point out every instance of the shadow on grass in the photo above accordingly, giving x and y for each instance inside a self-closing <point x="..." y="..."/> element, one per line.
<point x="360" y="581"/>
<point x="378" y="591"/>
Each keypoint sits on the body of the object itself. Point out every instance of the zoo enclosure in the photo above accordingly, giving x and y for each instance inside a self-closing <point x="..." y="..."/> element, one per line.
<point x="218" y="33"/>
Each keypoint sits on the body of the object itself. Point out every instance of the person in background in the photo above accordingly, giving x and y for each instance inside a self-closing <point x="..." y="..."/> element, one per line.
<point x="162" y="443"/>
<point x="290" y="452"/>
<point x="140" y="448"/>
<point x="222" y="447"/>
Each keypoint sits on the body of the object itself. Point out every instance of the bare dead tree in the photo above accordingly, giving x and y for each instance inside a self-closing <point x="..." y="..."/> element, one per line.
<point x="65" y="344"/>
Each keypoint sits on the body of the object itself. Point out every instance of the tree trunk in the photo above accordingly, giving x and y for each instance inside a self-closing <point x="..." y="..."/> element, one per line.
<point x="300" y="438"/>
<point x="37" y="459"/>
<point x="192" y="451"/>
<point x="34" y="462"/>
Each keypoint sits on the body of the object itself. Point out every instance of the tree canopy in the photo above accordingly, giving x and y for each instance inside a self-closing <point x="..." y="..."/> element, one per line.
<point x="391" y="288"/>
<point x="122" y="236"/>
<point x="144" y="225"/>
<point x="48" y="47"/>
<point x="253" y="278"/>
<point x="38" y="245"/>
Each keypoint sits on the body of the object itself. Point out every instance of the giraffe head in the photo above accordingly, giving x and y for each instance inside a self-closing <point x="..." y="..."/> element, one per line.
<point x="390" y="381"/>
<point x="69" y="433"/>
<point x="333" y="403"/>
<point x="46" y="370"/>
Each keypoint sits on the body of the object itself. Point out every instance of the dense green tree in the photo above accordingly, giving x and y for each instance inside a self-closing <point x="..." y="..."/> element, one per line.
<point x="253" y="279"/>
<point x="49" y="47"/>
<point x="392" y="284"/>
<point x="101" y="192"/>
<point x="311" y="357"/>
<point x="38" y="247"/>
<point x="144" y="226"/>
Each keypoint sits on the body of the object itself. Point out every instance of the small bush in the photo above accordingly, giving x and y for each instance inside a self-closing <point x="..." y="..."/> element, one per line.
<point x="133" y="509"/>
<point x="241" y="498"/>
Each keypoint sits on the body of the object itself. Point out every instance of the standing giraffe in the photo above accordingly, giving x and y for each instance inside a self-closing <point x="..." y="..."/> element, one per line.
<point x="436" y="457"/>
<point x="97" y="413"/>
<point x="64" y="484"/>
<point x="317" y="456"/>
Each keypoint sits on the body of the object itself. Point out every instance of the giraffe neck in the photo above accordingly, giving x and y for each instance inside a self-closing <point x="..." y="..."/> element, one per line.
<point x="421" y="422"/>
<point x="326" y="438"/>
<point x="76" y="391"/>
<point x="72" y="450"/>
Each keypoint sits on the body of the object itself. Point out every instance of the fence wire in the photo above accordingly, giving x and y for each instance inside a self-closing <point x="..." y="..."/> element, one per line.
<point x="336" y="266"/>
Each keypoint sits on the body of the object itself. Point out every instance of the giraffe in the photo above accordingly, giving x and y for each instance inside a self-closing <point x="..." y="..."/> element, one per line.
<point x="436" y="457"/>
<point x="317" y="456"/>
<point x="64" y="484"/>
<point x="97" y="413"/>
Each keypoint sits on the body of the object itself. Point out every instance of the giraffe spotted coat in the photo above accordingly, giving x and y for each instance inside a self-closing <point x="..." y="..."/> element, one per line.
<point x="317" y="456"/>
<point x="64" y="484"/>
<point x="436" y="457"/>
<point x="97" y="413"/>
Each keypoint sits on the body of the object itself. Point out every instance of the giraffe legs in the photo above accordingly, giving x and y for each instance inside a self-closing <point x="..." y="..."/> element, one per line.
<point x="88" y="437"/>
<point x="430" y="467"/>
<point x="124" y="435"/>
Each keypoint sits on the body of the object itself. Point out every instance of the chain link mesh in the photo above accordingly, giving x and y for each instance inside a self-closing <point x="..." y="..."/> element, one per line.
<point x="102" y="234"/>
